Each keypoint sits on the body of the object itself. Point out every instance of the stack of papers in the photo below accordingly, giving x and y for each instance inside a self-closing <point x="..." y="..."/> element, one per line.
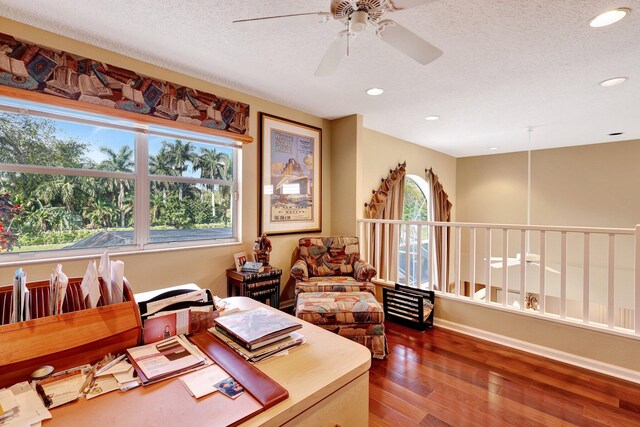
<point x="279" y="348"/>
<point x="23" y="407"/>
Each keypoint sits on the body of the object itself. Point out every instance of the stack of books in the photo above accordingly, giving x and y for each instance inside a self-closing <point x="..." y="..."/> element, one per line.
<point x="257" y="334"/>
<point x="253" y="267"/>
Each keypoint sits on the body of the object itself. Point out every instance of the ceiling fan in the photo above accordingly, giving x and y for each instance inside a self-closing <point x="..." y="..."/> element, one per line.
<point x="357" y="16"/>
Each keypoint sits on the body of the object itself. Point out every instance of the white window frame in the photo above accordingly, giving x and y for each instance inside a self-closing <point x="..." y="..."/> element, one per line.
<point x="141" y="178"/>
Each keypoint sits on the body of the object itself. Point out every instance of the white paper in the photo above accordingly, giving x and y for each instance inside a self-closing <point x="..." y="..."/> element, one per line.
<point x="125" y="377"/>
<point x="202" y="382"/>
<point x="101" y="386"/>
<point x="117" y="277"/>
<point x="104" y="270"/>
<point x="27" y="305"/>
<point x="63" y="282"/>
<point x="8" y="403"/>
<point x="32" y="410"/>
<point x="122" y="366"/>
<point x="19" y="290"/>
<point x="90" y="285"/>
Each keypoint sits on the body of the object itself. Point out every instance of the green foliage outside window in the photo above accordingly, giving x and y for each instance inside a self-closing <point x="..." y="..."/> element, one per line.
<point x="59" y="209"/>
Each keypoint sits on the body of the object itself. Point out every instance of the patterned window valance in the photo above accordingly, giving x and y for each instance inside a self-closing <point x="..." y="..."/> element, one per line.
<point x="61" y="74"/>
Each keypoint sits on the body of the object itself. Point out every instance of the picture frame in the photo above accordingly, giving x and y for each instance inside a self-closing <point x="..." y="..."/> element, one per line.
<point x="239" y="260"/>
<point x="290" y="166"/>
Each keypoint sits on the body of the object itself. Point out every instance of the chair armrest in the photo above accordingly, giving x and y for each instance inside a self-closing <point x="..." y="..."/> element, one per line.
<point x="363" y="271"/>
<point x="299" y="271"/>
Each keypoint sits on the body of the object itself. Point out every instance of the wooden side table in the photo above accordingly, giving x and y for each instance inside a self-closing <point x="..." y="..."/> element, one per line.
<point x="261" y="287"/>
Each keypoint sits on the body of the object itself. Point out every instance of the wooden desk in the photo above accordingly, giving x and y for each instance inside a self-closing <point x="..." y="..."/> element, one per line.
<point x="327" y="380"/>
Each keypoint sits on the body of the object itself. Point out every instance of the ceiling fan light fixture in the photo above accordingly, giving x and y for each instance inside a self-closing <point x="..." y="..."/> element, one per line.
<point x="375" y="91"/>
<point x="358" y="21"/>
<point x="432" y="118"/>
<point x="609" y="17"/>
<point x="615" y="81"/>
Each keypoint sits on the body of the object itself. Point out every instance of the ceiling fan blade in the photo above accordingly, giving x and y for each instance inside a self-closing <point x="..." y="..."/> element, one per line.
<point x="407" y="4"/>
<point x="274" y="22"/>
<point x="332" y="57"/>
<point x="407" y="42"/>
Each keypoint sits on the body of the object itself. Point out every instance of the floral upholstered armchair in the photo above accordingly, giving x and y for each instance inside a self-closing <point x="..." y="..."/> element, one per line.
<point x="331" y="264"/>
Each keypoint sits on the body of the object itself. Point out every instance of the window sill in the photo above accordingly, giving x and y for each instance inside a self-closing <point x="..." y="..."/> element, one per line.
<point x="30" y="258"/>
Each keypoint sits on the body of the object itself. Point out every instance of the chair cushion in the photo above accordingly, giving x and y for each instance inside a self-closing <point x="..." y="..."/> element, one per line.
<point x="329" y="256"/>
<point x="339" y="308"/>
<point x="334" y="284"/>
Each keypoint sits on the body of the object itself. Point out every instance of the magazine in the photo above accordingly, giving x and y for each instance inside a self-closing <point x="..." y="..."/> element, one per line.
<point x="163" y="359"/>
<point x="250" y="328"/>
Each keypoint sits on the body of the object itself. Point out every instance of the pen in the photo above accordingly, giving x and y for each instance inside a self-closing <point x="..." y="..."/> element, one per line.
<point x="45" y="399"/>
<point x="110" y="364"/>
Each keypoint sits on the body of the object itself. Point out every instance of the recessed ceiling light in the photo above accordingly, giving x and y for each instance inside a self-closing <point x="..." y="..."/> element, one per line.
<point x="493" y="148"/>
<point x="613" y="81"/>
<point x="375" y="91"/>
<point x="432" y="118"/>
<point x="609" y="17"/>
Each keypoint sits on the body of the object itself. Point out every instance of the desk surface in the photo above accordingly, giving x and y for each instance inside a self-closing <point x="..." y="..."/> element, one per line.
<point x="326" y="363"/>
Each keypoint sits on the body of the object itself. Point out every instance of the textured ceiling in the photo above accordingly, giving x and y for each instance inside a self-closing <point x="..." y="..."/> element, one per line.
<point x="507" y="64"/>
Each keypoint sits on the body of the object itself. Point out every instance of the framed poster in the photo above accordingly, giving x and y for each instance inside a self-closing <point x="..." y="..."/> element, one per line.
<point x="290" y="176"/>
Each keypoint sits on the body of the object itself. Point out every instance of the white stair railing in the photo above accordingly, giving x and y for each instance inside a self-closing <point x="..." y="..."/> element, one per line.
<point x="589" y="277"/>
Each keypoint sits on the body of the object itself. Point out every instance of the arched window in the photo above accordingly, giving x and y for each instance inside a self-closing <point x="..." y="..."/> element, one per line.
<point x="416" y="207"/>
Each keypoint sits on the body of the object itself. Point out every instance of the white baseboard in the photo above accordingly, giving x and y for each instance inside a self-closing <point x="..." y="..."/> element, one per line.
<point x="550" y="353"/>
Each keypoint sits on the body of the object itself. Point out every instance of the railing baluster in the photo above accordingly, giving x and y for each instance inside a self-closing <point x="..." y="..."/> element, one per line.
<point x="456" y="261"/>
<point x="433" y="266"/>
<point x="442" y="282"/>
<point x="523" y="268"/>
<point x="487" y="251"/>
<point x="472" y="263"/>
<point x="385" y="259"/>
<point x="611" y="315"/>
<point x="378" y="246"/>
<point x="543" y="270"/>
<point x="505" y="254"/>
<point x="407" y="248"/>
<point x="585" y="281"/>
<point x="419" y="258"/>
<point x="563" y="275"/>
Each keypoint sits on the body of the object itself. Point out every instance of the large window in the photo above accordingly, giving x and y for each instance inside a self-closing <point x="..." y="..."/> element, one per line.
<point x="415" y="208"/>
<point x="80" y="181"/>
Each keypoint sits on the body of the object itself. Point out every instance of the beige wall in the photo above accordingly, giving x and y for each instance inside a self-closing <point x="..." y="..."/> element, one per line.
<point x="346" y="137"/>
<point x="203" y="266"/>
<point x="589" y="185"/>
<point x="381" y="152"/>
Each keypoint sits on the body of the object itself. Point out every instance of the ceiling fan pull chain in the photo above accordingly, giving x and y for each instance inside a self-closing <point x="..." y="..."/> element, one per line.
<point x="348" y="35"/>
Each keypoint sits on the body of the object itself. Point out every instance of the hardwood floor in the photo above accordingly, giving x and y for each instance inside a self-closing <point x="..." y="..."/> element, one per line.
<point x="441" y="378"/>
